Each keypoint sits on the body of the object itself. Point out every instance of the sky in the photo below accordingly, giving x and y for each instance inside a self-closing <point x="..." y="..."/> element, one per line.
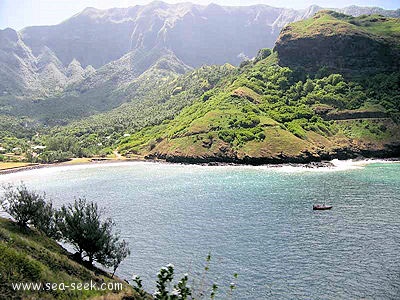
<point x="18" y="14"/>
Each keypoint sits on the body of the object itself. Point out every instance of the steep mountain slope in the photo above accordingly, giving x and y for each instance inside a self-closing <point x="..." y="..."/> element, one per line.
<point x="342" y="43"/>
<point x="270" y="113"/>
<point x="156" y="97"/>
<point x="26" y="75"/>
<point x="100" y="90"/>
<point x="197" y="34"/>
<point x="17" y="64"/>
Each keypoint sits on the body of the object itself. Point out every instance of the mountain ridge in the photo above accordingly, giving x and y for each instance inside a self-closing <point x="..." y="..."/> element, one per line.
<point x="196" y="34"/>
<point x="130" y="23"/>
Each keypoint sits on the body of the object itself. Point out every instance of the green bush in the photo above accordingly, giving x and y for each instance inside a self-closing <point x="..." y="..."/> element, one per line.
<point x="53" y="156"/>
<point x="30" y="208"/>
<point x="263" y="54"/>
<point x="226" y="135"/>
<point x="295" y="128"/>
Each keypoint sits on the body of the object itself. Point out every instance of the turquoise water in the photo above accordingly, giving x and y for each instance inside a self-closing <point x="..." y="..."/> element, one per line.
<point x="256" y="221"/>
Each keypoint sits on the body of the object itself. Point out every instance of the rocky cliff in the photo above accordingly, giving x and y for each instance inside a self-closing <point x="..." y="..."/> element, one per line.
<point x="339" y="43"/>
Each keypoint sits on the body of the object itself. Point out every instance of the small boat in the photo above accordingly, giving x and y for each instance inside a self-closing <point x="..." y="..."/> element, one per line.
<point x="321" y="207"/>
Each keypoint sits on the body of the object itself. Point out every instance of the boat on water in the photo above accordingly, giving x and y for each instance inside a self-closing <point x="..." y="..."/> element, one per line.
<point x="321" y="207"/>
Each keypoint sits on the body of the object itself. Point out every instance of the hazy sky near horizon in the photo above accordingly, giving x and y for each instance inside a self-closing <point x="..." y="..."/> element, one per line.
<point x="18" y="14"/>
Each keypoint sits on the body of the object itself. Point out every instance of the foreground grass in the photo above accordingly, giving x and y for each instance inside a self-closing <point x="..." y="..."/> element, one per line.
<point x="28" y="256"/>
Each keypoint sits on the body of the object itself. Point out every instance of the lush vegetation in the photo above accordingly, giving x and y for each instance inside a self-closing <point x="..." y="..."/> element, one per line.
<point x="259" y="106"/>
<point x="267" y="101"/>
<point x="155" y="97"/>
<point x="155" y="105"/>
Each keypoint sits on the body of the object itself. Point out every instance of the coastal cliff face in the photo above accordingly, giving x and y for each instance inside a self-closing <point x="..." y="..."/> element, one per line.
<point x="287" y="148"/>
<point x="340" y="43"/>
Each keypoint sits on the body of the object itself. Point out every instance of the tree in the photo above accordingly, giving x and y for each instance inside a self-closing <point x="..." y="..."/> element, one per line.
<point x="30" y="208"/>
<point x="263" y="54"/>
<point x="309" y="86"/>
<point x="22" y="204"/>
<point x="45" y="220"/>
<point x="119" y="253"/>
<point x="82" y="224"/>
<point x="245" y="63"/>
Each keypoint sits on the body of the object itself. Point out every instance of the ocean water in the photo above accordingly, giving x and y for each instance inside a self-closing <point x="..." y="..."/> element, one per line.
<point x="255" y="221"/>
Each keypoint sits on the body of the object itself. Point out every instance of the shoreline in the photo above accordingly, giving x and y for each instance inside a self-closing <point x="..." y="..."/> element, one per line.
<point x="309" y="165"/>
<point x="90" y="161"/>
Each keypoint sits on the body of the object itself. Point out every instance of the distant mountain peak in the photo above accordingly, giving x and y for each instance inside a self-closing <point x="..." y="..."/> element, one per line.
<point x="214" y="8"/>
<point x="74" y="62"/>
<point x="313" y="8"/>
<point x="90" y="10"/>
<point x="159" y="4"/>
<point x="9" y="34"/>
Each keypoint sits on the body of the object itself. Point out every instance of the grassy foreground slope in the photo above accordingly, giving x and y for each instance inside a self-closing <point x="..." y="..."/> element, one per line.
<point x="270" y="114"/>
<point x="27" y="256"/>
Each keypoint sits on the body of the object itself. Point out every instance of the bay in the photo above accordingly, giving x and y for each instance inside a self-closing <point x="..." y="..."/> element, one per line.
<point x="255" y="221"/>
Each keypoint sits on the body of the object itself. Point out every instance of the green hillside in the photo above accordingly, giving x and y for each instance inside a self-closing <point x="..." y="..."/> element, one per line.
<point x="266" y="114"/>
<point x="27" y="256"/>
<point x="303" y="103"/>
<point x="329" y="23"/>
<point x="154" y="99"/>
<point x="112" y="85"/>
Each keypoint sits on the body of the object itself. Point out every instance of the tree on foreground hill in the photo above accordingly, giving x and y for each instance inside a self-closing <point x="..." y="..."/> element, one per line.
<point x="82" y="225"/>
<point x="30" y="208"/>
